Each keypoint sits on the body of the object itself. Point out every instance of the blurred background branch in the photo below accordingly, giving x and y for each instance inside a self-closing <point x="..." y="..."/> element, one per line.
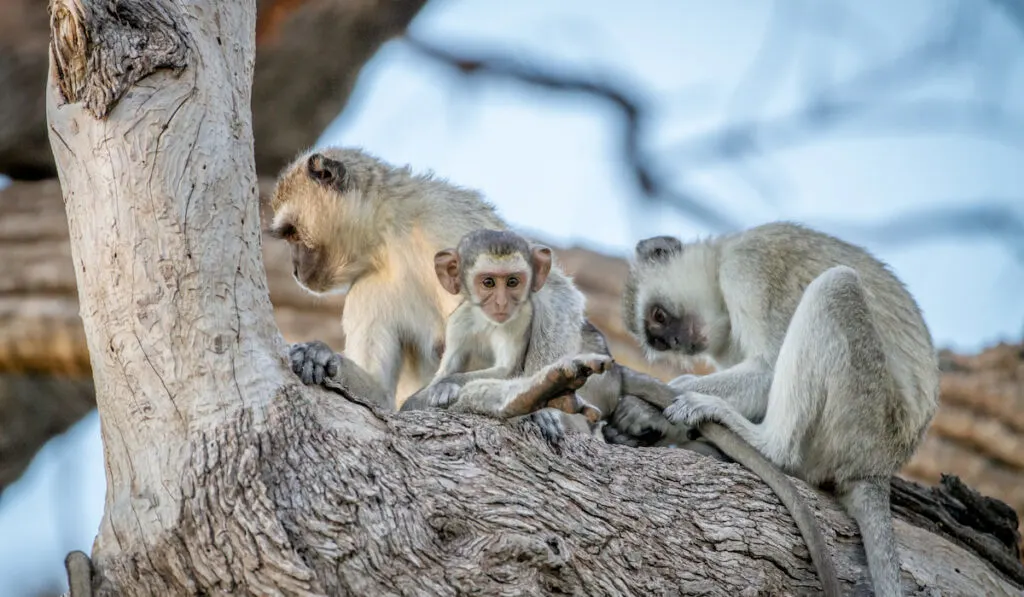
<point x="881" y="98"/>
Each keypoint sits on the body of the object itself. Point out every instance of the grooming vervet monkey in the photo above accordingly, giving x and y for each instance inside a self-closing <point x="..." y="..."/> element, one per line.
<point x="826" y="365"/>
<point x="359" y="225"/>
<point x="518" y="315"/>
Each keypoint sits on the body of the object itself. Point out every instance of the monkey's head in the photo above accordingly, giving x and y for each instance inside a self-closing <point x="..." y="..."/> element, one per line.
<point x="330" y="206"/>
<point x="495" y="269"/>
<point x="670" y="302"/>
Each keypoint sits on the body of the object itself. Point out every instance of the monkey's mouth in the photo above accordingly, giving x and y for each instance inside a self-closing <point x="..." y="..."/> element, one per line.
<point x="500" y="317"/>
<point x="691" y="346"/>
<point x="658" y="343"/>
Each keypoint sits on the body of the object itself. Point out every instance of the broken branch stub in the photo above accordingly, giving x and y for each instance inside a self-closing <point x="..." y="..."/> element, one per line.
<point x="99" y="50"/>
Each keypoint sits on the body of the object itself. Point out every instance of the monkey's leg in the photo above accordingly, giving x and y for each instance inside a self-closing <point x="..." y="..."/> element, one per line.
<point x="507" y="398"/>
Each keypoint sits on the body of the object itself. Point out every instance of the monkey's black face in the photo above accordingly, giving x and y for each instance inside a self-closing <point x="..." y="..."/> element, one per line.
<point x="664" y="331"/>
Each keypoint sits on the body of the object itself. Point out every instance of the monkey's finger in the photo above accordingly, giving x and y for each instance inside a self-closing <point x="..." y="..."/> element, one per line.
<point x="333" y="364"/>
<point x="550" y="424"/>
<point x="297" y="356"/>
<point x="306" y="372"/>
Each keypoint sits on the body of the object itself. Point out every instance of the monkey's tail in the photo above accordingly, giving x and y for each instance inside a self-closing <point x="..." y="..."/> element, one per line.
<point x="867" y="502"/>
<point x="739" y="450"/>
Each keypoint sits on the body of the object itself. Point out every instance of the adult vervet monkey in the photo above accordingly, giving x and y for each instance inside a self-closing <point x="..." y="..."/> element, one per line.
<point x="827" y="367"/>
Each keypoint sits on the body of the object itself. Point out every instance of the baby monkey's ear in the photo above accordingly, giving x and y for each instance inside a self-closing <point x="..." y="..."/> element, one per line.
<point x="446" y="264"/>
<point x="540" y="259"/>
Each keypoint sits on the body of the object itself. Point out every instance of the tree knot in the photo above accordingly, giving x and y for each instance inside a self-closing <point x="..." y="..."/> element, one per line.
<point x="99" y="50"/>
<point x="68" y="46"/>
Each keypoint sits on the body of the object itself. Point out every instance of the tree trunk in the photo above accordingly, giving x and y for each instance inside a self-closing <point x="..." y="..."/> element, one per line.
<point x="226" y="476"/>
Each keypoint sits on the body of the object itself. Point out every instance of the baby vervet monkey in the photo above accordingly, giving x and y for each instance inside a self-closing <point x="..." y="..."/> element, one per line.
<point x="517" y="315"/>
<point x="361" y="226"/>
<point x="826" y="366"/>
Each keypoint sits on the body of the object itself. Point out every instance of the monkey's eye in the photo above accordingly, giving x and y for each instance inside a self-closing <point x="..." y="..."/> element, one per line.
<point x="488" y="282"/>
<point x="512" y="282"/>
<point x="658" y="315"/>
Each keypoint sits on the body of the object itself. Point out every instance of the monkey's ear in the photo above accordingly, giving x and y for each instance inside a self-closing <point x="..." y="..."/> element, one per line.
<point x="541" y="257"/>
<point x="658" y="248"/>
<point x="326" y="171"/>
<point x="446" y="264"/>
<point x="284" y="231"/>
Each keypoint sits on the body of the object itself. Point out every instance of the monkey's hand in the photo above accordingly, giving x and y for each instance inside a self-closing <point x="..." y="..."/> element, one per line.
<point x="693" y="408"/>
<point x="550" y="422"/>
<point x="442" y="394"/>
<point x="635" y="422"/>
<point x="314" y="361"/>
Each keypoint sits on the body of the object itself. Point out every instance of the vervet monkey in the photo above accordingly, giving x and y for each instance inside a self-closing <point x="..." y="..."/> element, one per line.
<point x="359" y="225"/>
<point x="518" y="315"/>
<point x="826" y="365"/>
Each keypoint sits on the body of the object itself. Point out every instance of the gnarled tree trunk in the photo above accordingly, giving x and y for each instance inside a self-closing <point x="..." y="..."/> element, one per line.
<point x="226" y="476"/>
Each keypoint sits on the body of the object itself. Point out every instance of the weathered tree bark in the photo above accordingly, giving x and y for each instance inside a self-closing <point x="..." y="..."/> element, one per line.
<point x="309" y="54"/>
<point x="226" y="476"/>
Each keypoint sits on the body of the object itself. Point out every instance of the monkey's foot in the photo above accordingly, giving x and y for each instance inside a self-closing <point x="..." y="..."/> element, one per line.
<point x="693" y="408"/>
<point x="557" y="380"/>
<point x="314" y="361"/>
<point x="441" y="394"/>
<point x="635" y="422"/>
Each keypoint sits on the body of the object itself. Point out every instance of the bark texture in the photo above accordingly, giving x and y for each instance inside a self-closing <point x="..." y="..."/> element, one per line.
<point x="309" y="55"/>
<point x="225" y="476"/>
<point x="437" y="504"/>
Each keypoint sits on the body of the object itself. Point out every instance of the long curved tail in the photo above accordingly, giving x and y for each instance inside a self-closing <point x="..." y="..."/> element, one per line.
<point x="867" y="502"/>
<point x="740" y="451"/>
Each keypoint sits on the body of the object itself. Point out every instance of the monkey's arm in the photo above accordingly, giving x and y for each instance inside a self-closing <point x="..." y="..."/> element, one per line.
<point x="745" y="386"/>
<point x="316" y="363"/>
<point x="377" y="352"/>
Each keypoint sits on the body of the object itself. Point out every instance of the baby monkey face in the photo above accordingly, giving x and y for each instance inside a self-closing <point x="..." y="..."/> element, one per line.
<point x="500" y="290"/>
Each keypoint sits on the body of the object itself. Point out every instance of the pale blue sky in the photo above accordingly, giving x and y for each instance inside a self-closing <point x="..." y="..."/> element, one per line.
<point x="552" y="165"/>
